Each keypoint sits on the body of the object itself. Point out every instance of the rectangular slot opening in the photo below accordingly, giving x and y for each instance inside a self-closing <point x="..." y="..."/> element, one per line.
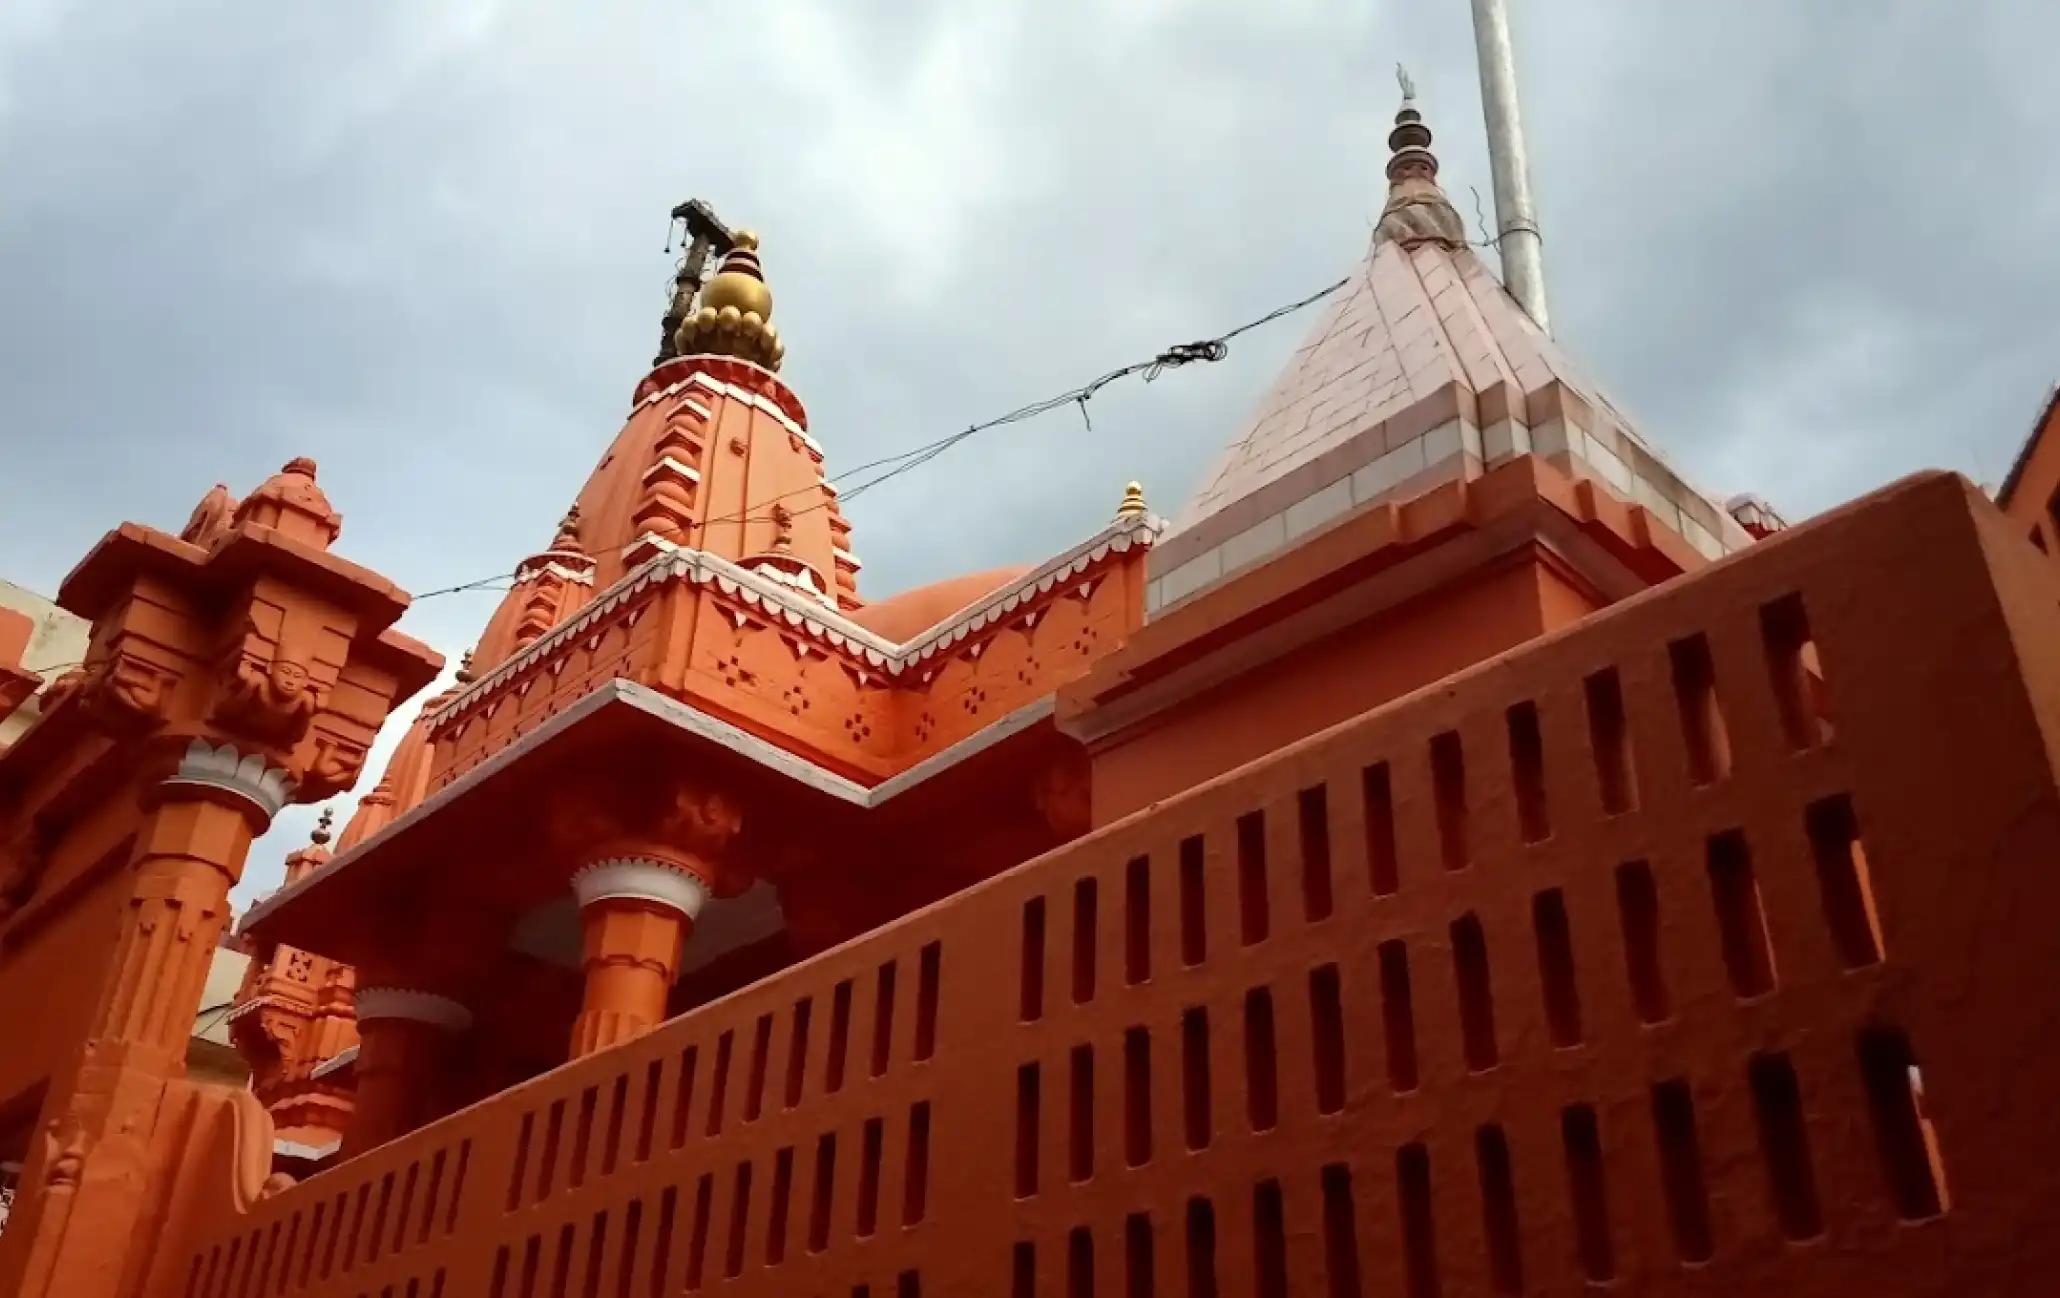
<point x="1681" y="1175"/>
<point x="1080" y="1141"/>
<point x="1741" y="919"/>
<point x="1269" y="1241"/>
<point x="718" y="1083"/>
<point x="915" y="1186"/>
<point x="1476" y="992"/>
<point x="1085" y="901"/>
<point x="661" y="1243"/>
<point x="1254" y="913"/>
<point x="929" y="968"/>
<point x="1137" y="920"/>
<point x="697" y="1237"/>
<point x="1028" y="1102"/>
<point x="883" y="1018"/>
<point x="1448" y="785"/>
<point x="871" y="1138"/>
<point x="1079" y="1263"/>
<point x="582" y="1137"/>
<point x="1609" y="738"/>
<point x="554" y="1126"/>
<point x="1023" y="1270"/>
<point x="597" y="1243"/>
<point x="1905" y="1137"/>
<point x="761" y="1047"/>
<point x="1588" y="1187"/>
<point x="1312" y="813"/>
<point x="1201" y="1249"/>
<point x="1794" y="673"/>
<point x="740" y="1222"/>
<point x="1194" y="1076"/>
<point x="1419" y="1226"/>
<point x="1262" y="1099"/>
<point x="647" y="1128"/>
<point x="1398" y="1015"/>
<point x="1033" y="960"/>
<point x="840" y="1037"/>
<point x="1527" y="769"/>
<point x="611" y="1142"/>
<point x="1377" y="794"/>
<point x="822" y="1193"/>
<point x="1843" y="882"/>
<point x="515" y="1178"/>
<point x="1327" y="1037"/>
<point x="1785" y="1145"/>
<point x="1137" y="1257"/>
<point x="1638" y="913"/>
<point x="1340" y="1233"/>
<point x="1702" y="717"/>
<point x="797" y="1050"/>
<point x="1498" y="1210"/>
<point x="1194" y="905"/>
<point x="1556" y="967"/>
<point x="1137" y="1097"/>
<point x="909" y="1284"/>
<point x="625" y="1270"/>
<point x="776" y="1221"/>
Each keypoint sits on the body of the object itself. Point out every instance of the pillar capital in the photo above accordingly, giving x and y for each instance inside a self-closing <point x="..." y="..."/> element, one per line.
<point x="375" y="1003"/>
<point x="255" y="780"/>
<point x="641" y="878"/>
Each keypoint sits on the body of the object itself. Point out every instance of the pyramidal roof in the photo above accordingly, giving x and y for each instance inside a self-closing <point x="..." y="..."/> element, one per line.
<point x="1421" y="370"/>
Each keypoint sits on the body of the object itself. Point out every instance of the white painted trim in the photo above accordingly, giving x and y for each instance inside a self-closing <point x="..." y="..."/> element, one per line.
<point x="640" y="879"/>
<point x="750" y="747"/>
<point x="335" y="1063"/>
<point x="812" y="616"/>
<point x="250" y="776"/>
<point x="295" y="1149"/>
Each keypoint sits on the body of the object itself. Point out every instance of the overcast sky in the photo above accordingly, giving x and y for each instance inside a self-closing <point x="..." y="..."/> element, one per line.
<point x="1808" y="244"/>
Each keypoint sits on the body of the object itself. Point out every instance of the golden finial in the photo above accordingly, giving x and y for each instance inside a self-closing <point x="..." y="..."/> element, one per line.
<point x="1133" y="506"/>
<point x="320" y="835"/>
<point x="735" y="313"/>
<point x="465" y="673"/>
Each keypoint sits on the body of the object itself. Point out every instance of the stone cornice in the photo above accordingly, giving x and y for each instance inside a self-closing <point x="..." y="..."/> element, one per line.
<point x="800" y="613"/>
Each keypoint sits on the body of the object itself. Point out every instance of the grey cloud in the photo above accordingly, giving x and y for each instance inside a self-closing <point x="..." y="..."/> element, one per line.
<point x="1805" y="243"/>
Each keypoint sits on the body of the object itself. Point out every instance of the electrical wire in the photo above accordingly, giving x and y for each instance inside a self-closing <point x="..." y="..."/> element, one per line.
<point x="889" y="467"/>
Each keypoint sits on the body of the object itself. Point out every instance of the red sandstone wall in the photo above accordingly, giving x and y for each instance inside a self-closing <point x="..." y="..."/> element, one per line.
<point x="1603" y="963"/>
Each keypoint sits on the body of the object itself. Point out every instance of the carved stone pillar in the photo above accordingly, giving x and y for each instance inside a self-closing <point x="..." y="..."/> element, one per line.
<point x="635" y="913"/>
<point x="192" y="852"/>
<point x="404" y="1038"/>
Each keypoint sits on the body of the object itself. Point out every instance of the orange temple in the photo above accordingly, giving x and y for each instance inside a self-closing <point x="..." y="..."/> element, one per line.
<point x="1452" y="856"/>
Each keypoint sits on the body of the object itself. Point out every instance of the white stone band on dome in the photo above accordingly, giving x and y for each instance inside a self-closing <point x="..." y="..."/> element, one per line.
<point x="643" y="879"/>
<point x="407" y="1003"/>
<point x="250" y="776"/>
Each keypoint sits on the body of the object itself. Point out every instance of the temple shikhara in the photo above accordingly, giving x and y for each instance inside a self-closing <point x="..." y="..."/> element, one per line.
<point x="1451" y="854"/>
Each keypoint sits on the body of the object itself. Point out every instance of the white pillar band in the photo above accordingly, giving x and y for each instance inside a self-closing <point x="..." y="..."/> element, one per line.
<point x="642" y="879"/>
<point x="250" y="776"/>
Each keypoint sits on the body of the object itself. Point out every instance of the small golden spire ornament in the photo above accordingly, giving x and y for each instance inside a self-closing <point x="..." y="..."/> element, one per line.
<point x="1133" y="507"/>
<point x="320" y="835"/>
<point x="465" y="673"/>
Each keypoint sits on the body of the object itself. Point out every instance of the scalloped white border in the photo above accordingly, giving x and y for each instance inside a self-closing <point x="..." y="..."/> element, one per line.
<point x="640" y="878"/>
<point x="250" y="776"/>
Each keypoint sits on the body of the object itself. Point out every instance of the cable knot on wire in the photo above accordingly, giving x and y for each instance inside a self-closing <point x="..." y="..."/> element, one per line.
<point x="1209" y="349"/>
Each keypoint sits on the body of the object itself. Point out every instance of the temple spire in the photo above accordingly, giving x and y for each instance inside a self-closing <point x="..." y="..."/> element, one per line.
<point x="1417" y="210"/>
